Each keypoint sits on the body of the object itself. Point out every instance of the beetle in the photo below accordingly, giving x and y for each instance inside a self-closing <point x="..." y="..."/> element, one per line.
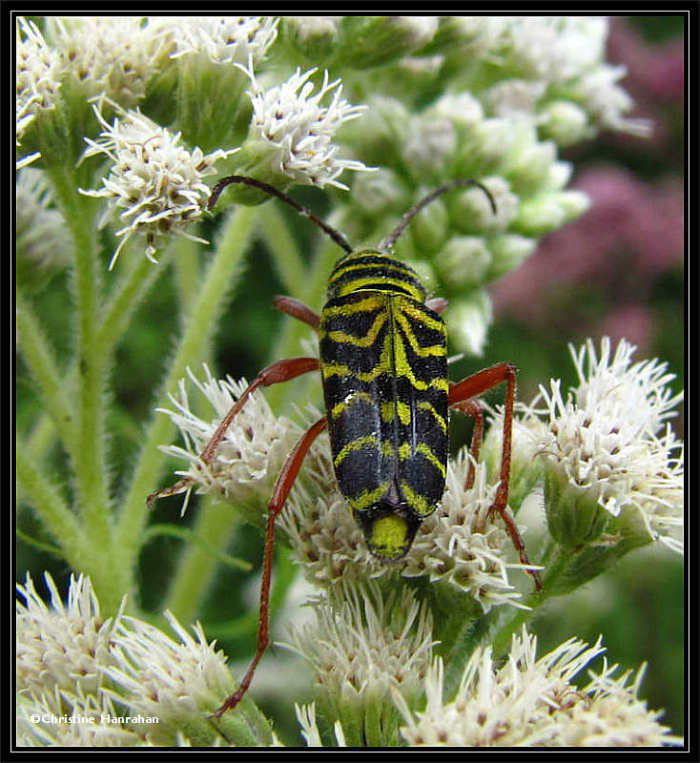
<point x="383" y="364"/>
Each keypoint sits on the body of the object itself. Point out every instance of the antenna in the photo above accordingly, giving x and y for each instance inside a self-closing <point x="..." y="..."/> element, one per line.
<point x="272" y="191"/>
<point x="388" y="242"/>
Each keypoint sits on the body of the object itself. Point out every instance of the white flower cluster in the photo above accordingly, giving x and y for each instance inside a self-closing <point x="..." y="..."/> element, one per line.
<point x="461" y="544"/>
<point x="61" y="653"/>
<point x="364" y="644"/>
<point x="37" y="80"/>
<point x="609" y="437"/>
<point x="87" y="682"/>
<point x="533" y="703"/>
<point x="223" y="39"/>
<point x="110" y="56"/>
<point x="154" y="180"/>
<point x="251" y="454"/>
<point x="297" y="128"/>
<point x="156" y="675"/>
<point x="556" y="60"/>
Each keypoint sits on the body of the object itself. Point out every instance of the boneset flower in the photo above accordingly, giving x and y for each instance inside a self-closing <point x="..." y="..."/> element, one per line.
<point x="251" y="454"/>
<point x="85" y="682"/>
<point x="295" y="129"/>
<point x="529" y="702"/>
<point x="174" y="679"/>
<point x="606" y="438"/>
<point x="61" y="647"/>
<point x="223" y="39"/>
<point x="365" y="643"/>
<point x="38" y="72"/>
<point x="114" y="57"/>
<point x="154" y="180"/>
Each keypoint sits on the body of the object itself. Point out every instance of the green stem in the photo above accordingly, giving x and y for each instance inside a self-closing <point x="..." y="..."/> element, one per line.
<point x="197" y="565"/>
<point x="283" y="248"/>
<point x="187" y="274"/>
<point x="552" y="561"/>
<point x="312" y="294"/>
<point x="121" y="306"/>
<point x="218" y="281"/>
<point x="49" y="504"/>
<point x="40" y="360"/>
<point x="90" y="439"/>
<point x="132" y="287"/>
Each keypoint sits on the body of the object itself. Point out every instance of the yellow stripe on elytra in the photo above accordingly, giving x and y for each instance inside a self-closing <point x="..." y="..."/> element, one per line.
<point x="361" y="341"/>
<point x="437" y="350"/>
<point x="368" y="497"/>
<point x="425" y="451"/>
<point x="357" y="444"/>
<point x="384" y="366"/>
<point x="421" y="317"/>
<point x="403" y="368"/>
<point x="416" y="501"/>
<point x="426" y="406"/>
<point x="406" y="452"/>
<point x="369" y="303"/>
<point x="351" y="399"/>
<point x="390" y="408"/>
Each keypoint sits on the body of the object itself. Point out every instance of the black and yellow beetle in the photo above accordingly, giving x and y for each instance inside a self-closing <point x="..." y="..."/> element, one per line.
<point x="383" y="363"/>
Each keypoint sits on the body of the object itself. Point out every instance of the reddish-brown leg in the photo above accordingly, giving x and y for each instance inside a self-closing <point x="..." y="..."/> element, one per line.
<point x="276" y="373"/>
<point x="282" y="489"/>
<point x="476" y="385"/>
<point x="472" y="408"/>
<point x="297" y="310"/>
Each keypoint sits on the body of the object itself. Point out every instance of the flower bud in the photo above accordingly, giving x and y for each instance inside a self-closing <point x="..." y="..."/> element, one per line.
<point x="529" y="161"/>
<point x="429" y="227"/>
<point x="485" y="147"/>
<point x="313" y="36"/>
<point x="462" y="109"/>
<point x="464" y="261"/>
<point x="380" y="192"/>
<point x="508" y="252"/>
<point x="470" y="319"/>
<point x="429" y="146"/>
<point x="472" y="210"/>
<point x="565" y="122"/>
<point x="544" y="213"/>
<point x="382" y="131"/>
<point x="368" y="41"/>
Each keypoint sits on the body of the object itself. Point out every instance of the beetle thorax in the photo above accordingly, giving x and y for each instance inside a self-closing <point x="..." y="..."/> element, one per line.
<point x="372" y="270"/>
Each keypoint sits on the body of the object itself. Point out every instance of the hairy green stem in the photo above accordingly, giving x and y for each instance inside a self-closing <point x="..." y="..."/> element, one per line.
<point x="122" y="304"/>
<point x="218" y="281"/>
<point x="50" y="505"/>
<point x="283" y="248"/>
<point x="40" y="360"/>
<point x="90" y="440"/>
<point x="195" y="570"/>
<point x="502" y="638"/>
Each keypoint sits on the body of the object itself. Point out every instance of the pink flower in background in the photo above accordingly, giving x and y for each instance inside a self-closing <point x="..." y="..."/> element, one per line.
<point x="631" y="322"/>
<point x="633" y="232"/>
<point x="654" y="72"/>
